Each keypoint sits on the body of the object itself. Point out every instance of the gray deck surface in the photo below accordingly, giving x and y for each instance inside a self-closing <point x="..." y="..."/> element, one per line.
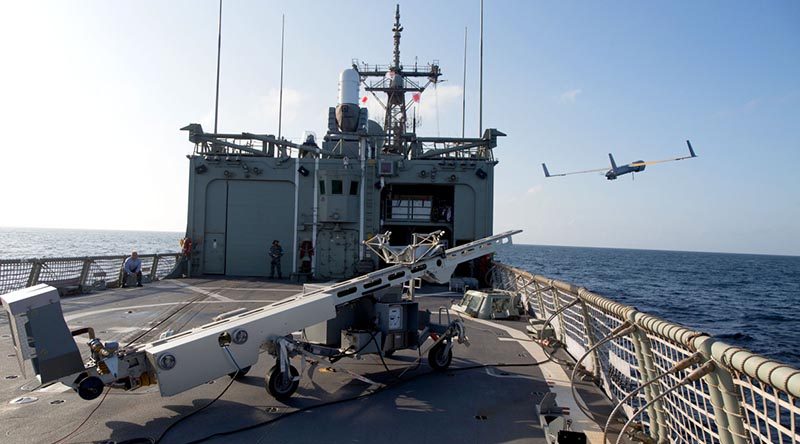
<point x="426" y="407"/>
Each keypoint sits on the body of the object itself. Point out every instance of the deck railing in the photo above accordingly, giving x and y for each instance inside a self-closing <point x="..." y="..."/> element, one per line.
<point x="79" y="273"/>
<point x="745" y="399"/>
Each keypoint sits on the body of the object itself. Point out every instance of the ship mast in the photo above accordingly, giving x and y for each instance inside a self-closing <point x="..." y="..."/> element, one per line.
<point x="395" y="119"/>
<point x="395" y="81"/>
<point x="397" y="29"/>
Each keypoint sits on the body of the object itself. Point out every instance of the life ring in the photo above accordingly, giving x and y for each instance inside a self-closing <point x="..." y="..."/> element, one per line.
<point x="186" y="246"/>
<point x="306" y="249"/>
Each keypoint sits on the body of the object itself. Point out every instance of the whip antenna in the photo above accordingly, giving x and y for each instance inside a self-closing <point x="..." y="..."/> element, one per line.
<point x="480" y="93"/>
<point x="464" y="86"/>
<point x="219" y="49"/>
<point x="280" y="94"/>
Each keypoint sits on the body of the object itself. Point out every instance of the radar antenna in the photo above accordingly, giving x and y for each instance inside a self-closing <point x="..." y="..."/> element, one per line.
<point x="396" y="81"/>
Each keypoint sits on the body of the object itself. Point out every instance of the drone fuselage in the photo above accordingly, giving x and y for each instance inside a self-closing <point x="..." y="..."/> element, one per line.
<point x="613" y="173"/>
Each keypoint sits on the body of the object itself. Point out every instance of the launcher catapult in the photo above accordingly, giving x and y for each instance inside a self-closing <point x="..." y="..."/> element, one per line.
<point x="369" y="314"/>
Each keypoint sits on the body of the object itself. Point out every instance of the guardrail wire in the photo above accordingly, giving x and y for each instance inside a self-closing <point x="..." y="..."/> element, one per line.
<point x="746" y="398"/>
<point x="79" y="273"/>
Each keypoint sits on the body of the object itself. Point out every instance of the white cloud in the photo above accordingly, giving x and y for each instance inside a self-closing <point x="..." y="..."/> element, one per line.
<point x="534" y="189"/>
<point x="570" y="96"/>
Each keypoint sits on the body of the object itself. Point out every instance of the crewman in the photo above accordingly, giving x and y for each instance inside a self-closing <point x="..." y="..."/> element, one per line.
<point x="275" y="253"/>
<point x="132" y="265"/>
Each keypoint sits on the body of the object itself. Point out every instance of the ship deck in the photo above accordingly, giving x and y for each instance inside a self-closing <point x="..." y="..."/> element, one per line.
<point x="480" y="405"/>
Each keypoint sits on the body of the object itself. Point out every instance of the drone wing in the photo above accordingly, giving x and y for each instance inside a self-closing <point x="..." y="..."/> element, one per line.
<point x="549" y="174"/>
<point x="653" y="162"/>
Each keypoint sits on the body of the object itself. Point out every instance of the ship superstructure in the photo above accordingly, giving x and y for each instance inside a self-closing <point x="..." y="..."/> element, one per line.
<point x="321" y="200"/>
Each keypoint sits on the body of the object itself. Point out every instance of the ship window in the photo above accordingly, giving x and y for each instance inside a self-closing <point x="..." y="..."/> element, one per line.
<point x="410" y="208"/>
<point x="321" y="187"/>
<point x="336" y="187"/>
<point x="354" y="188"/>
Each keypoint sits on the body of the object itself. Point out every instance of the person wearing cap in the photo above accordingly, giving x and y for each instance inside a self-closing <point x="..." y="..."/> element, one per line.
<point x="132" y="265"/>
<point x="275" y="253"/>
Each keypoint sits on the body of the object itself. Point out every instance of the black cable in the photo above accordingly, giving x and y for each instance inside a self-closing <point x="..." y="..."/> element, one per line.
<point x="187" y="321"/>
<point x="333" y="359"/>
<point x="380" y="355"/>
<point x="184" y="418"/>
<point x="87" y="417"/>
<point x="238" y="368"/>
<point x="416" y="366"/>
<point x="380" y="389"/>
<point x="108" y="390"/>
<point x="178" y="310"/>
<point x="552" y="357"/>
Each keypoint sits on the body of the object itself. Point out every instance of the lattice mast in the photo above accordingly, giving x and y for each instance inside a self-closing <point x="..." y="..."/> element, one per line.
<point x="396" y="82"/>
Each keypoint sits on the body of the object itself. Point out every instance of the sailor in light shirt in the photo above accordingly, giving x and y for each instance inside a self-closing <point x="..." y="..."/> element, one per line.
<point x="132" y="265"/>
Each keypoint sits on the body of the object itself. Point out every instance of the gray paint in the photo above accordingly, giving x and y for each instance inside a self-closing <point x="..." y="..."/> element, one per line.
<point x="216" y="201"/>
<point x="258" y="213"/>
<point x="57" y="353"/>
<point x="244" y="211"/>
<point x="464" y="208"/>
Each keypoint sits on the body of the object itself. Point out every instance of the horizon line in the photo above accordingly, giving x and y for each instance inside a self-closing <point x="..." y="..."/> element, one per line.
<point x="515" y="243"/>
<point x="659" y="249"/>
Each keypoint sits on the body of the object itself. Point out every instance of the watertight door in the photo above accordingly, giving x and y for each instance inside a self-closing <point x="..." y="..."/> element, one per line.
<point x="258" y="213"/>
<point x="336" y="253"/>
<point x="214" y="239"/>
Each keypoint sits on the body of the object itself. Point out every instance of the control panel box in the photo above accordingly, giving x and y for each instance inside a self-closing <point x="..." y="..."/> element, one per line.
<point x="399" y="321"/>
<point x="40" y="333"/>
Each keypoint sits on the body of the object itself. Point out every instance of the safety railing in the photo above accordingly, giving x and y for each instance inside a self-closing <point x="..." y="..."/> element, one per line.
<point x="740" y="398"/>
<point x="79" y="273"/>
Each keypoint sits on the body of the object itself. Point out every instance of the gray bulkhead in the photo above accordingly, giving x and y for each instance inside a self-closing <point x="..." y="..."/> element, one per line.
<point x="240" y="205"/>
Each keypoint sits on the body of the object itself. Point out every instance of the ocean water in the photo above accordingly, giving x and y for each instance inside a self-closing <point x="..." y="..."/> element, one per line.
<point x="24" y="243"/>
<point x="752" y="301"/>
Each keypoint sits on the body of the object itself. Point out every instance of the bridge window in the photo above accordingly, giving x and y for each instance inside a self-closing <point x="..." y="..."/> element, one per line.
<point x="354" y="188"/>
<point x="336" y="186"/>
<point x="321" y="187"/>
<point x="410" y="208"/>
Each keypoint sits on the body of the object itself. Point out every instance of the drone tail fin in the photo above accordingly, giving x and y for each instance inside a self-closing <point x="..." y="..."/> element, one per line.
<point x="546" y="173"/>
<point x="691" y="151"/>
<point x="613" y="164"/>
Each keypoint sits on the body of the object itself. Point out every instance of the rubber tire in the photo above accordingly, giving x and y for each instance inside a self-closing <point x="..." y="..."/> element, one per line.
<point x="239" y="374"/>
<point x="274" y="378"/>
<point x="436" y="358"/>
<point x="90" y="388"/>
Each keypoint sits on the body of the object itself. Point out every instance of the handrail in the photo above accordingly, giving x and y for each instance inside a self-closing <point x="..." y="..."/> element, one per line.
<point x="68" y="258"/>
<point x="79" y="274"/>
<point x="747" y="398"/>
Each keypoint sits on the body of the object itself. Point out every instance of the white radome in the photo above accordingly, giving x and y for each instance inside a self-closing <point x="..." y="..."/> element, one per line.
<point x="349" y="87"/>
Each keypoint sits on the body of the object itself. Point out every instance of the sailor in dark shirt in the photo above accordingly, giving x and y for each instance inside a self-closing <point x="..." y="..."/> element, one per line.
<point x="275" y="253"/>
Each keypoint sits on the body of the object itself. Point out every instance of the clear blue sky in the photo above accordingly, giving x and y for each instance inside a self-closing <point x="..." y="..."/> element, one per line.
<point x="94" y="94"/>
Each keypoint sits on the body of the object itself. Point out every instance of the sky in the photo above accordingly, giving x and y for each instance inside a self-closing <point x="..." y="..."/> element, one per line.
<point x="94" y="94"/>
